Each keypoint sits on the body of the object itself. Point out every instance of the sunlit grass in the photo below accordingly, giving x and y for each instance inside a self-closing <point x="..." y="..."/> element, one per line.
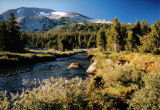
<point x="123" y="80"/>
<point x="127" y="86"/>
<point x="8" y="59"/>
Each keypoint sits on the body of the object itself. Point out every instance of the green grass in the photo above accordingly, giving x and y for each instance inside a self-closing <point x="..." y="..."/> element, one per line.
<point x="125" y="81"/>
<point x="113" y="87"/>
<point x="10" y="59"/>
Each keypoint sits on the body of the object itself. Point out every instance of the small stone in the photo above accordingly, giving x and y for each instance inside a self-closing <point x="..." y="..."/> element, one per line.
<point x="74" y="66"/>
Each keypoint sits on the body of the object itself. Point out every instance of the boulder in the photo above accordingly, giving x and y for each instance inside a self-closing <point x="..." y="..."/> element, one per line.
<point x="92" y="69"/>
<point x="74" y="66"/>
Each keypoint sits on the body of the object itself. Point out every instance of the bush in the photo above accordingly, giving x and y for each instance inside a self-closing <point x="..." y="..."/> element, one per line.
<point x="59" y="94"/>
<point x="148" y="97"/>
<point x="126" y="82"/>
<point x="144" y="49"/>
<point x="127" y="86"/>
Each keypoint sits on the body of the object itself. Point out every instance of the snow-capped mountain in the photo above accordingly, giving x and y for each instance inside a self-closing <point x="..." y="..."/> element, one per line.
<point x="23" y="11"/>
<point x="68" y="16"/>
<point x="35" y="19"/>
<point x="37" y="23"/>
<point x="51" y="14"/>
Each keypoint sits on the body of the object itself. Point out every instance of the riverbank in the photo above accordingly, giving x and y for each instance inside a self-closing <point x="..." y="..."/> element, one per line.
<point x="10" y="59"/>
<point x="115" y="86"/>
<point x="15" y="63"/>
<point x="45" y="70"/>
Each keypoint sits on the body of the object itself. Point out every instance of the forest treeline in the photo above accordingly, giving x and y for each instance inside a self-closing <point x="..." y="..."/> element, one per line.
<point x="137" y="37"/>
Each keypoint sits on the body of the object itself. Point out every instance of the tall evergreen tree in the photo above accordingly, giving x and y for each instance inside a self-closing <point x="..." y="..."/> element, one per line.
<point x="123" y="36"/>
<point x="89" y="43"/>
<point x="79" y="41"/>
<point x="151" y="41"/>
<point x="3" y="36"/>
<point x="145" y="28"/>
<point x="107" y="39"/>
<point x="10" y="36"/>
<point x="136" y="34"/>
<point x="129" y="41"/>
<point x="101" y="39"/>
<point x="115" y="35"/>
<point x="14" y="34"/>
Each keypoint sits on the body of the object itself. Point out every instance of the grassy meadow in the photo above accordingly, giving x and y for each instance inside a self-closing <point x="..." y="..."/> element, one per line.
<point x="10" y="59"/>
<point x="134" y="85"/>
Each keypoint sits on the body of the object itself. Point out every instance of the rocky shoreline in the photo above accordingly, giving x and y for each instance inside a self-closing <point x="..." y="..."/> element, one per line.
<point x="21" y="68"/>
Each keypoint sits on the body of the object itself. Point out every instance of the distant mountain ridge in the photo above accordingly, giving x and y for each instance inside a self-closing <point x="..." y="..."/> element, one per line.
<point x="36" y="19"/>
<point x="23" y="11"/>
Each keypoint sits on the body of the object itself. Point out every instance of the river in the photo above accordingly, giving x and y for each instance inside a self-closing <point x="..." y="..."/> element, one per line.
<point x="57" y="68"/>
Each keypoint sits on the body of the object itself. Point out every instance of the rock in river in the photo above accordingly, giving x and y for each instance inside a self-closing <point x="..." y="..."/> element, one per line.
<point x="92" y="69"/>
<point x="74" y="66"/>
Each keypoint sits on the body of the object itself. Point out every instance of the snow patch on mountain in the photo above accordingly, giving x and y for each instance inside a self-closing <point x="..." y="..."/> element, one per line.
<point x="100" y="21"/>
<point x="59" y="13"/>
<point x="44" y="14"/>
<point x="19" y="10"/>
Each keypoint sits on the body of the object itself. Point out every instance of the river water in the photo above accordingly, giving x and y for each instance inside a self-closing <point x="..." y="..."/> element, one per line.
<point x="57" y="68"/>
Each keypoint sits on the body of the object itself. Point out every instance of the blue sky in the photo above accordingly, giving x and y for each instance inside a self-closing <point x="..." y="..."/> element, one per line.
<point x="127" y="11"/>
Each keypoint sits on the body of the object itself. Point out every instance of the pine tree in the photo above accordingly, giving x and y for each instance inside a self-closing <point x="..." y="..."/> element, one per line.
<point x="89" y="43"/>
<point x="136" y="34"/>
<point x="151" y="41"/>
<point x="14" y="35"/>
<point x="145" y="28"/>
<point x="107" y="39"/>
<point x="10" y="36"/>
<point x="3" y="36"/>
<point x="42" y="45"/>
<point x="49" y="44"/>
<point x="79" y="41"/>
<point x="123" y="36"/>
<point x="101" y="39"/>
<point x="115" y="36"/>
<point x="155" y="33"/>
<point x="63" y="43"/>
<point x="129" y="41"/>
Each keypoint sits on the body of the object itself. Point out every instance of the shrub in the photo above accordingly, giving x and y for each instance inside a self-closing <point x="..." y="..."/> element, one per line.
<point x="148" y="97"/>
<point x="127" y="86"/>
